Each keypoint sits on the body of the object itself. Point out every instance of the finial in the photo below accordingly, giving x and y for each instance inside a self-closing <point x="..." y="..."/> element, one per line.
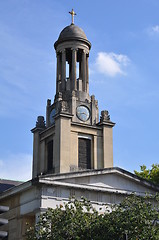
<point x="73" y="14"/>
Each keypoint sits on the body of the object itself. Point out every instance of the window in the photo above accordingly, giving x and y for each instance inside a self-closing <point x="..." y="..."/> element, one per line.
<point x="50" y="155"/>
<point x="84" y="153"/>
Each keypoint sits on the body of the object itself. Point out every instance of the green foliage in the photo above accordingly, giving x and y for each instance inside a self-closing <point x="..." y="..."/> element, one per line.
<point x="135" y="216"/>
<point x="78" y="220"/>
<point x="149" y="174"/>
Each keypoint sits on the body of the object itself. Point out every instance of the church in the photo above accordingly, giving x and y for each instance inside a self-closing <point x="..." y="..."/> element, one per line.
<point x="72" y="146"/>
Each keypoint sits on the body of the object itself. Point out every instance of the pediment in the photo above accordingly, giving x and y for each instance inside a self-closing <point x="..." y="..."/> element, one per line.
<point x="110" y="179"/>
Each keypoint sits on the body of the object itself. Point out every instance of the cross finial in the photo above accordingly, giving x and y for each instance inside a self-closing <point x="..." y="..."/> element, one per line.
<point x="73" y="14"/>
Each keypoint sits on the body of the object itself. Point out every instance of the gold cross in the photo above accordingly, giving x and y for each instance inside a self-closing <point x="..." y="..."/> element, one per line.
<point x="73" y="14"/>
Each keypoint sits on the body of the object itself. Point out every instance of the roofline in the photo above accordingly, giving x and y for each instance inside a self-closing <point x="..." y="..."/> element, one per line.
<point x="53" y="179"/>
<point x="2" y="180"/>
<point x="67" y="39"/>
<point x="102" y="171"/>
<point x="90" y="187"/>
<point x="16" y="189"/>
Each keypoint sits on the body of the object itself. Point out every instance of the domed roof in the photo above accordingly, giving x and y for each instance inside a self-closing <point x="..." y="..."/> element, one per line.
<point x="72" y="32"/>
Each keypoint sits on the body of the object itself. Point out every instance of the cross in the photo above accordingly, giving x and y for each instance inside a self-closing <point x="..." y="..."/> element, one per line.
<point x="73" y="14"/>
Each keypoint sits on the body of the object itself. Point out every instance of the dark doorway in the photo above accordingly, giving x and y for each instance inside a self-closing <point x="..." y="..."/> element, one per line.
<point x="84" y="153"/>
<point x="50" y="155"/>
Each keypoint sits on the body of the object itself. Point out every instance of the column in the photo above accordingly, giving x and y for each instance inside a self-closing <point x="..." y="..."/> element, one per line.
<point x="63" y="77"/>
<point x="87" y="74"/>
<point x="84" y="70"/>
<point x="95" y="152"/>
<point x="107" y="146"/>
<point x="74" y="60"/>
<point x="58" y="73"/>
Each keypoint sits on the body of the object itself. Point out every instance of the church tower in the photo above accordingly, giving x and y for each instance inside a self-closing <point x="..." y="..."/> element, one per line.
<point x="72" y="138"/>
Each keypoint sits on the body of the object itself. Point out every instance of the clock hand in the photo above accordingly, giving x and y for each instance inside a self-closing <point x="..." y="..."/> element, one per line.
<point x="84" y="113"/>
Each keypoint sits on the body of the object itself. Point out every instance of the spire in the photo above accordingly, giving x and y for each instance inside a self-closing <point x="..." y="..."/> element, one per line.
<point x="73" y="14"/>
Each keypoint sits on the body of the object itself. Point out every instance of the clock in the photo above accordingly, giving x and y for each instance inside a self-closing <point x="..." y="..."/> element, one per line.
<point x="52" y="115"/>
<point x="83" y="113"/>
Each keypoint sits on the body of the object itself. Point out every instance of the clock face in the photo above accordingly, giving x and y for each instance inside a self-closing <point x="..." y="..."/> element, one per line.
<point x="83" y="113"/>
<point x="52" y="114"/>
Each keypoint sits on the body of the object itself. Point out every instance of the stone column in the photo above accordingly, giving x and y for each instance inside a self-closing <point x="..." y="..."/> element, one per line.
<point x="84" y="70"/>
<point x="58" y="73"/>
<point x="107" y="146"/>
<point x="74" y="60"/>
<point x="48" y="112"/>
<point x="87" y="74"/>
<point x="63" y="77"/>
<point x="95" y="152"/>
<point x="37" y="161"/>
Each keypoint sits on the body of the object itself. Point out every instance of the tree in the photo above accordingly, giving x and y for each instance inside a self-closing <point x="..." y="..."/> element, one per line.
<point x="135" y="215"/>
<point x="66" y="222"/>
<point x="149" y="174"/>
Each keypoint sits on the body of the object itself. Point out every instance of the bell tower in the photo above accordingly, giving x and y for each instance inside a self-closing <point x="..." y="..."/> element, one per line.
<point x="73" y="138"/>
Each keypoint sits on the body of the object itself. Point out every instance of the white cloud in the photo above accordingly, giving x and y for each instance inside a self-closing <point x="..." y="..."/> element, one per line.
<point x="153" y="31"/>
<point x="16" y="167"/>
<point x="111" y="64"/>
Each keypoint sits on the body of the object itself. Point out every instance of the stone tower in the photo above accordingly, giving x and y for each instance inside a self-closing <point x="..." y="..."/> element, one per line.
<point x="72" y="138"/>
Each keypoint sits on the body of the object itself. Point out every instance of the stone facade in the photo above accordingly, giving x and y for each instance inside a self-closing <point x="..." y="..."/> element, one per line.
<point x="73" y="114"/>
<point x="65" y="135"/>
<point x="105" y="186"/>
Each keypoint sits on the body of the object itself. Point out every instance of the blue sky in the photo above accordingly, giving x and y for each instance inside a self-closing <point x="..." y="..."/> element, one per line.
<point x="124" y="74"/>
